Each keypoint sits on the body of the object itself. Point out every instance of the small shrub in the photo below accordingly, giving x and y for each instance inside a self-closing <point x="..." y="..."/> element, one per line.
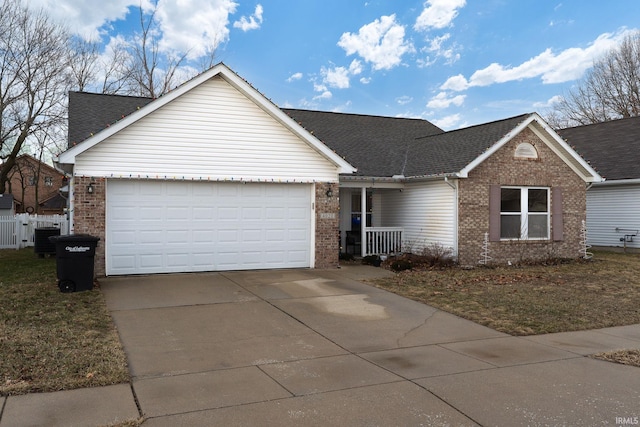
<point x="437" y="255"/>
<point x="401" y="264"/>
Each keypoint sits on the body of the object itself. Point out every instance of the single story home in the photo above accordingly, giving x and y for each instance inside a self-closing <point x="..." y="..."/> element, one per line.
<point x="613" y="206"/>
<point x="213" y="176"/>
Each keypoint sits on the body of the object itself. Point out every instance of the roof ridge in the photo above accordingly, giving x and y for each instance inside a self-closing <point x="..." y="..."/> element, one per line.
<point x="355" y="114"/>
<point x="602" y="123"/>
<point x="82" y="92"/>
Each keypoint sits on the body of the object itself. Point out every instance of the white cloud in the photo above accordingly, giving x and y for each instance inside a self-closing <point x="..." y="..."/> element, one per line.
<point x="548" y="103"/>
<point x="436" y="46"/>
<point x="381" y="43"/>
<point x="324" y="95"/>
<point x="456" y="83"/>
<point x="355" y="67"/>
<point x="404" y="100"/>
<point x="570" y="64"/>
<point x="448" y="122"/>
<point x="177" y="22"/>
<point x="83" y="17"/>
<point x="438" y="14"/>
<point x="253" y="22"/>
<point x="294" y="77"/>
<point x="442" y="100"/>
<point x="337" y="77"/>
<point x="319" y="87"/>
<point x="365" y="80"/>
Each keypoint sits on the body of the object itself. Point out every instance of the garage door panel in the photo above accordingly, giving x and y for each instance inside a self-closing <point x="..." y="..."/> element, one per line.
<point x="158" y="226"/>
<point x="203" y="213"/>
<point x="150" y="260"/>
<point x="227" y="213"/>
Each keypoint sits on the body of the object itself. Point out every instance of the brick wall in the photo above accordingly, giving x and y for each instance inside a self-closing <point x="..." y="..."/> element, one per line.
<point x="89" y="215"/>
<point x="502" y="169"/>
<point x="327" y="226"/>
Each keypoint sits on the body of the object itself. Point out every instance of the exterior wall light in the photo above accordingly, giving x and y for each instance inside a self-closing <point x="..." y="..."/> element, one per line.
<point x="90" y="188"/>
<point x="329" y="193"/>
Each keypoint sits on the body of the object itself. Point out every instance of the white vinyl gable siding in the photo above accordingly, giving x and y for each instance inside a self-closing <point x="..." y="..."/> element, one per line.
<point x="611" y="207"/>
<point x="211" y="132"/>
<point x="426" y="211"/>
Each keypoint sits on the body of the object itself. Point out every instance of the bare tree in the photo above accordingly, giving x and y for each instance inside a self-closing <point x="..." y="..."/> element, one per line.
<point x="83" y="62"/>
<point x="91" y="70"/>
<point x="33" y="79"/>
<point x="150" y="72"/>
<point x="610" y="90"/>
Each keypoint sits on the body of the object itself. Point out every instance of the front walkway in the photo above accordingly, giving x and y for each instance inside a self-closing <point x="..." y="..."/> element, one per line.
<point x="318" y="347"/>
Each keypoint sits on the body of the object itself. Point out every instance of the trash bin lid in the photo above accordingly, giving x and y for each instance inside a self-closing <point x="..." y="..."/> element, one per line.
<point x="74" y="238"/>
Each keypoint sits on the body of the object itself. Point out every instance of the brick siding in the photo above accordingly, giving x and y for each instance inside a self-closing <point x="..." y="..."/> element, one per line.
<point x="89" y="215"/>
<point x="327" y="226"/>
<point x="503" y="169"/>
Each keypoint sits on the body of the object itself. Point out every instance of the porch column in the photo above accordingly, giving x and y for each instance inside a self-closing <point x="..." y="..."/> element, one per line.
<point x="363" y="221"/>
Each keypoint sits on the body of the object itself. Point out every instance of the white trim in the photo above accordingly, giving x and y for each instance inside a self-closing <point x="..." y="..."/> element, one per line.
<point x="312" y="237"/>
<point x="524" y="213"/>
<point x="69" y="156"/>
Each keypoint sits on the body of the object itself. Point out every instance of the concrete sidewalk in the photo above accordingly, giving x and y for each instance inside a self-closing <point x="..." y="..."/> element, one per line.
<point x="318" y="347"/>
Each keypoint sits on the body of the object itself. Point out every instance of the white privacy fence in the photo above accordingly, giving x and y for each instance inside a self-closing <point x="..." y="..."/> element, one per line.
<point x="18" y="231"/>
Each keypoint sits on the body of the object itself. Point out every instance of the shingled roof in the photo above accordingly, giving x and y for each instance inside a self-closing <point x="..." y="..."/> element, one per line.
<point x="386" y="146"/>
<point x="613" y="147"/>
<point x="452" y="151"/>
<point x="89" y="113"/>
<point x="376" y="145"/>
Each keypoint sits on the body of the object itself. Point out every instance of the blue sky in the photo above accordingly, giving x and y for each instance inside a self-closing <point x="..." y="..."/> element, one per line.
<point x="453" y="62"/>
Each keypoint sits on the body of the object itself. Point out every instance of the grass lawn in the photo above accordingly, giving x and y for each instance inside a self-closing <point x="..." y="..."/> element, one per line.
<point x="51" y="340"/>
<point x="535" y="299"/>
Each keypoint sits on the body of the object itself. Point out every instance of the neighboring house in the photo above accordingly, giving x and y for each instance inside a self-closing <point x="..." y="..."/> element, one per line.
<point x="6" y="205"/>
<point x="35" y="187"/>
<point x="213" y="176"/>
<point x="613" y="206"/>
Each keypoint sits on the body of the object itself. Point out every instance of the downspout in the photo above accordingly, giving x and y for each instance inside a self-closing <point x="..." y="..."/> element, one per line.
<point x="363" y="221"/>
<point x="454" y="186"/>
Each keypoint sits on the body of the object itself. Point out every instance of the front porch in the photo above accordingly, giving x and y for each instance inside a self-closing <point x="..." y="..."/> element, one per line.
<point x="362" y="221"/>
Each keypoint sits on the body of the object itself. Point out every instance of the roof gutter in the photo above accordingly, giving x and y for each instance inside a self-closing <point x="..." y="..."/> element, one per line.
<point x="617" y="182"/>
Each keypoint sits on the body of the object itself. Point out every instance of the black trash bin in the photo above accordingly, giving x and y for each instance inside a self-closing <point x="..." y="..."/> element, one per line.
<point x="74" y="261"/>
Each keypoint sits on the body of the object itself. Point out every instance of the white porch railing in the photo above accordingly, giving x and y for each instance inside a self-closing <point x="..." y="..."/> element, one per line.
<point x="383" y="240"/>
<point x="18" y="231"/>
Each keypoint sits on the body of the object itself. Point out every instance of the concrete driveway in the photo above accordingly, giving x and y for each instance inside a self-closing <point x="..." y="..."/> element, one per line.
<point x="308" y="347"/>
<point x="312" y="347"/>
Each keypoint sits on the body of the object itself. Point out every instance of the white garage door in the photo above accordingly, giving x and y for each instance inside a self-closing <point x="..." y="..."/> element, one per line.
<point x="166" y="226"/>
